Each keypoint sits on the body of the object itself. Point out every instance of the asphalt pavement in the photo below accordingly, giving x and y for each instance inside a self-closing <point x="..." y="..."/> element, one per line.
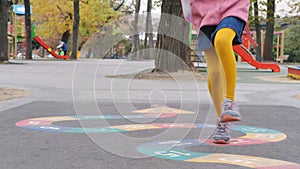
<point x="78" y="117"/>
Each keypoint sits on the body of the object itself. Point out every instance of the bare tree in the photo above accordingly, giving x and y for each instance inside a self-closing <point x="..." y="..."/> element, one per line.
<point x="135" y="36"/>
<point x="257" y="29"/>
<point x="75" y="29"/>
<point x="268" y="45"/>
<point x="149" y="28"/>
<point x="3" y="29"/>
<point x="28" y="30"/>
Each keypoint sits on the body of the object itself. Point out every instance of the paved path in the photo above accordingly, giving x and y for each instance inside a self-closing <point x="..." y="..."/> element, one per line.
<point x="76" y="117"/>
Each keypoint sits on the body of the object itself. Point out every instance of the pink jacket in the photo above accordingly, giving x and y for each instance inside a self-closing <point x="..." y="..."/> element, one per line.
<point x="211" y="12"/>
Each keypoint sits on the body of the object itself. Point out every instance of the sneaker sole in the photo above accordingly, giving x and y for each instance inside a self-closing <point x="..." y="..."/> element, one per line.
<point x="221" y="142"/>
<point x="228" y="118"/>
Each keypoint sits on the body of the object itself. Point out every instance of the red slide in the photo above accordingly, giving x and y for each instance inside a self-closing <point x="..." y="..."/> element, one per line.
<point x="45" y="46"/>
<point x="246" y="55"/>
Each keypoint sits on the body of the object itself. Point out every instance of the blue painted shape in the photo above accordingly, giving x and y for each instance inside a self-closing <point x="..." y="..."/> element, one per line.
<point x="171" y="144"/>
<point x="113" y="117"/>
<point x="179" y="155"/>
<point x="173" y="149"/>
<point x="250" y="129"/>
<point x="47" y="128"/>
<point x="202" y="125"/>
<point x="137" y="117"/>
<point x="94" y="130"/>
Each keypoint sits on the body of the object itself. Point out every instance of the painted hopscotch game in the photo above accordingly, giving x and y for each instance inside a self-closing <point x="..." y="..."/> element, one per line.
<point x="174" y="149"/>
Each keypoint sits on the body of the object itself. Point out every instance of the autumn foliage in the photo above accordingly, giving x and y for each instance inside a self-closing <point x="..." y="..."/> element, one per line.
<point x="53" y="18"/>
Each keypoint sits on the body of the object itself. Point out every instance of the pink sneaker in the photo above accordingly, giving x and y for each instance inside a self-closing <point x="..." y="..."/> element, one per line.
<point x="222" y="133"/>
<point x="230" y="112"/>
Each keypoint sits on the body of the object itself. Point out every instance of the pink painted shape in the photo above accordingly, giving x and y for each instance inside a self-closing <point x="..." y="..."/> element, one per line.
<point x="237" y="142"/>
<point x="172" y="125"/>
<point x="33" y="123"/>
<point x="296" y="166"/>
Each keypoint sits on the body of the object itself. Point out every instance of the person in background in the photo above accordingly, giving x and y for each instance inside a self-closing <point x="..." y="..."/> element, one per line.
<point x="62" y="47"/>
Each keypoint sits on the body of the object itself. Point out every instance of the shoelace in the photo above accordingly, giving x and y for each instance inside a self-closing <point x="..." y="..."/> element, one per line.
<point x="230" y="105"/>
<point x="223" y="127"/>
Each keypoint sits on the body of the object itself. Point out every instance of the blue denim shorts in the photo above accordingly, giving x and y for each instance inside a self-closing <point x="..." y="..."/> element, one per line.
<point x="207" y="33"/>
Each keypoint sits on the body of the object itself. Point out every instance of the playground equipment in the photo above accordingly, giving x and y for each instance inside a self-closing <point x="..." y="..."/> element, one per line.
<point x="17" y="35"/>
<point x="294" y="72"/>
<point x="278" y="36"/>
<point x="247" y="56"/>
<point x="16" y="31"/>
<point x="50" y="50"/>
<point x="280" y="56"/>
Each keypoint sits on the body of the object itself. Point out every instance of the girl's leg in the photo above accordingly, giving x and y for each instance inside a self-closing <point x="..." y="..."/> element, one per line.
<point x="215" y="79"/>
<point x="216" y="89"/>
<point x="223" y="45"/>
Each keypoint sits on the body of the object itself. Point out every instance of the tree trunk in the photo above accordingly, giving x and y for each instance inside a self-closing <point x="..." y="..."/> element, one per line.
<point x="3" y="30"/>
<point x="149" y="29"/>
<point x="258" y="30"/>
<point x="135" y="36"/>
<point x="177" y="56"/>
<point x="28" y="30"/>
<point x="268" y="45"/>
<point x="75" y="30"/>
<point x="66" y="36"/>
<point x="148" y="41"/>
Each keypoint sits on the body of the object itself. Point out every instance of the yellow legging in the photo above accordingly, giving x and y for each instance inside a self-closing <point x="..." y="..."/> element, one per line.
<point x="221" y="66"/>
